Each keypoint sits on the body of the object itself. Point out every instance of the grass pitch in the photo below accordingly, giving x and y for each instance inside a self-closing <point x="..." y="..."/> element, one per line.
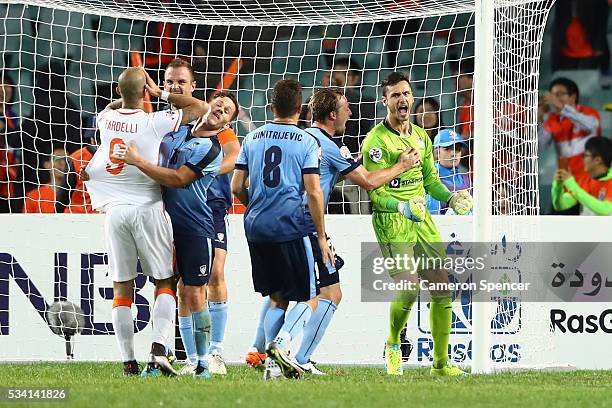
<point x="102" y="385"/>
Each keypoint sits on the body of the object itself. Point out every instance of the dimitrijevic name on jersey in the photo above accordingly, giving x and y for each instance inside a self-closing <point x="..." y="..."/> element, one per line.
<point x="276" y="156"/>
<point x="275" y="134"/>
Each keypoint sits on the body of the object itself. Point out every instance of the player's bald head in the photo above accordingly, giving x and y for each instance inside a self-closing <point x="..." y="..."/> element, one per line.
<point x="132" y="84"/>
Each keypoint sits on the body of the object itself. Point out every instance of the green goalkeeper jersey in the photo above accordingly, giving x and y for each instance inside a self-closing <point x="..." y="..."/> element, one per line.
<point x="382" y="148"/>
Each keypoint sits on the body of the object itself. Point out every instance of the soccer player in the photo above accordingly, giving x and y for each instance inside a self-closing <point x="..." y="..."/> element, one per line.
<point x="330" y="111"/>
<point x="190" y="159"/>
<point x="280" y="161"/>
<point x="136" y="224"/>
<point x="179" y="78"/>
<point x="402" y="223"/>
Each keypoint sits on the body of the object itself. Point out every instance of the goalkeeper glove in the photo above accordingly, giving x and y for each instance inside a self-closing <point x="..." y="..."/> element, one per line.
<point x="413" y="209"/>
<point x="461" y="202"/>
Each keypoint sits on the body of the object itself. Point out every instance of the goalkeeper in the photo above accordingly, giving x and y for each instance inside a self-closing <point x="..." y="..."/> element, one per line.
<point x="402" y="223"/>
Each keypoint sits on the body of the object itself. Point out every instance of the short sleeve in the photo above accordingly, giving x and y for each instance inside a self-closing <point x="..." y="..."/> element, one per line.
<point x="166" y="121"/>
<point x="202" y="158"/>
<point x="374" y="153"/>
<point x="242" y="162"/>
<point x="340" y="158"/>
<point x="312" y="156"/>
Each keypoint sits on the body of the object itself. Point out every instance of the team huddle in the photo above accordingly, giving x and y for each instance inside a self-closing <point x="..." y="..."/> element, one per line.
<point x="163" y="181"/>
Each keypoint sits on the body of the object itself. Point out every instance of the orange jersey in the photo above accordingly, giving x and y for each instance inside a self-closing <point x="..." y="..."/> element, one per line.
<point x="601" y="189"/>
<point x="570" y="138"/>
<point x="40" y="200"/>
<point x="79" y="200"/>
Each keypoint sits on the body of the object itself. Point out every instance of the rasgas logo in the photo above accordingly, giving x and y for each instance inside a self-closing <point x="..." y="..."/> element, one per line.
<point x="505" y="323"/>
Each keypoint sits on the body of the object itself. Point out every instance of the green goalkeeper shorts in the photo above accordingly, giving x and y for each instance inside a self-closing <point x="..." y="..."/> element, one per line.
<point x="397" y="235"/>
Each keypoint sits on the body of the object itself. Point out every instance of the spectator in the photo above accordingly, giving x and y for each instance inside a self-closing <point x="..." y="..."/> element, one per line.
<point x="568" y="124"/>
<point x="593" y="189"/>
<point x="580" y="37"/>
<point x="42" y="199"/>
<point x="72" y="196"/>
<point x="346" y="74"/>
<point x="447" y="152"/>
<point x="9" y="158"/>
<point x="55" y="121"/>
<point x="465" y="94"/>
<point x="427" y="116"/>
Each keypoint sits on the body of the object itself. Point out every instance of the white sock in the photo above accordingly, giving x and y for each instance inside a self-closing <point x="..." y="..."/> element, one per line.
<point x="163" y="318"/>
<point x="124" y="331"/>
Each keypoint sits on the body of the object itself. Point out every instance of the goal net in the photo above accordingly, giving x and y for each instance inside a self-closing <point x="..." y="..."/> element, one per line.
<point x="60" y="61"/>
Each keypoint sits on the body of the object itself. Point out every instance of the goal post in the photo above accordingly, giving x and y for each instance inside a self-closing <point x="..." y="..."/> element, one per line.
<point x="62" y="58"/>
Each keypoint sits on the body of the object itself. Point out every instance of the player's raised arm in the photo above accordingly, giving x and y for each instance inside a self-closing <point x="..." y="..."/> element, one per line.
<point x="193" y="108"/>
<point x="371" y="180"/>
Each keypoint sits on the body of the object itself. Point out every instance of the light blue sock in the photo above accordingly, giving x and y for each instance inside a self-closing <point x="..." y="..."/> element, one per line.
<point x="259" y="342"/>
<point x="275" y="316"/>
<point x="201" y="333"/>
<point x="294" y="323"/>
<point x="315" y="329"/>
<point x="218" y="317"/>
<point x="186" y="329"/>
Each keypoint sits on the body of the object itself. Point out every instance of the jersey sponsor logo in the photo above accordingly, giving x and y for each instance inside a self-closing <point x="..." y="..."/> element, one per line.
<point x="375" y="154"/>
<point x="320" y="153"/>
<point x="345" y="152"/>
<point x="397" y="182"/>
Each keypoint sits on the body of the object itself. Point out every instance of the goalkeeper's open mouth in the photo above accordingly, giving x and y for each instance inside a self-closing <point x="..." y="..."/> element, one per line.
<point x="402" y="110"/>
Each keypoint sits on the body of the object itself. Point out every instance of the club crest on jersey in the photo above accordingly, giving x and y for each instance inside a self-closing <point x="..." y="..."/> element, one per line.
<point x="421" y="143"/>
<point x="203" y="270"/>
<point x="220" y="237"/>
<point x="345" y="152"/>
<point x="602" y="194"/>
<point x="375" y="154"/>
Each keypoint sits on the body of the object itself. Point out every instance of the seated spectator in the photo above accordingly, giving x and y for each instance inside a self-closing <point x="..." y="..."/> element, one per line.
<point x="427" y="116"/>
<point x="42" y="199"/>
<point x="568" y="124"/>
<point x="9" y="155"/>
<point x="465" y="93"/>
<point x="580" y="38"/>
<point x="447" y="153"/>
<point x="593" y="189"/>
<point x="346" y="74"/>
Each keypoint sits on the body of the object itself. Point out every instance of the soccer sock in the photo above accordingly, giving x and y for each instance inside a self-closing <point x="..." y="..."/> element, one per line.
<point x="259" y="342"/>
<point x="440" y="317"/>
<point x="201" y="332"/>
<point x="186" y="329"/>
<point x="275" y="317"/>
<point x="315" y="329"/>
<point x="218" y="316"/>
<point x="123" y="324"/>
<point x="163" y="316"/>
<point x="399" y="312"/>
<point x="294" y="323"/>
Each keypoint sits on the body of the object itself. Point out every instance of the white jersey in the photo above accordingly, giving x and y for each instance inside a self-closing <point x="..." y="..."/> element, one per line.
<point x="113" y="182"/>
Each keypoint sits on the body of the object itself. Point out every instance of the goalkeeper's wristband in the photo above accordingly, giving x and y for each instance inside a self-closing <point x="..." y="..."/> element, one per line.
<point x="164" y="96"/>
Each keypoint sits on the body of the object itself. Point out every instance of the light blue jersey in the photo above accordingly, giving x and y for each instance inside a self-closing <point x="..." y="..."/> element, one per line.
<point x="336" y="160"/>
<point x="187" y="206"/>
<point x="276" y="157"/>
